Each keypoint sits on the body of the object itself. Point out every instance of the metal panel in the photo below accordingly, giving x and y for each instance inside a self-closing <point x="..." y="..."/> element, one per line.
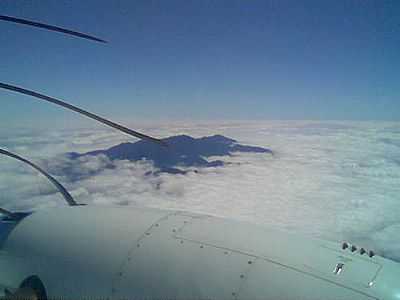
<point x="87" y="244"/>
<point x="355" y="268"/>
<point x="308" y="255"/>
<point x="163" y="267"/>
<point x="271" y="281"/>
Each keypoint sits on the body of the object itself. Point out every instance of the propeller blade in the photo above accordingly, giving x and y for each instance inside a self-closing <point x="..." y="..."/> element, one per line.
<point x="6" y="212"/>
<point x="68" y="198"/>
<point x="51" y="28"/>
<point x="82" y="112"/>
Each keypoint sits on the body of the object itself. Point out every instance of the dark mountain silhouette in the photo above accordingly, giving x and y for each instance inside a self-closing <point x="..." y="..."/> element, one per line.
<point x="182" y="151"/>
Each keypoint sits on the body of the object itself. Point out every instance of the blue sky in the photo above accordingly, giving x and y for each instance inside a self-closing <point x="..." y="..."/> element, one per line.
<point x="322" y="60"/>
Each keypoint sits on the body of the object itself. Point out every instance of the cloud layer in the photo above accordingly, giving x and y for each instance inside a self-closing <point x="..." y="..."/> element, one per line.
<point x="333" y="180"/>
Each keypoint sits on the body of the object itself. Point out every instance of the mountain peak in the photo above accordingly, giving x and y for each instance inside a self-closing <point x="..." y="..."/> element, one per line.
<point x="183" y="151"/>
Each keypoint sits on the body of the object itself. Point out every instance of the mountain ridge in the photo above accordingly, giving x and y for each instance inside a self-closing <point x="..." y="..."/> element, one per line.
<point x="182" y="151"/>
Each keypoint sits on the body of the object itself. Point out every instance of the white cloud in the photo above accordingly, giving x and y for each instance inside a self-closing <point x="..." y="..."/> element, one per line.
<point x="335" y="180"/>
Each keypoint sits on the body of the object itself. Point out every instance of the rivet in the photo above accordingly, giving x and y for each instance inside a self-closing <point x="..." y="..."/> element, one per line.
<point x="138" y="245"/>
<point x="249" y="262"/>
<point x="147" y="233"/>
<point x="226" y="252"/>
<point x="181" y="242"/>
<point x="201" y="246"/>
<point x="241" y="276"/>
<point x="173" y="230"/>
<point x="233" y="294"/>
<point x="371" y="283"/>
<point x="157" y="225"/>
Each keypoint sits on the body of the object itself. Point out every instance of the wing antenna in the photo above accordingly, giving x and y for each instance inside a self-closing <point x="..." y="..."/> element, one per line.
<point x="67" y="196"/>
<point x="51" y="28"/>
<point x="82" y="112"/>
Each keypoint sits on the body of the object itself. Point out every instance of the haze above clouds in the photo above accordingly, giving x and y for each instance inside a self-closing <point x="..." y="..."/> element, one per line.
<point x="332" y="180"/>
